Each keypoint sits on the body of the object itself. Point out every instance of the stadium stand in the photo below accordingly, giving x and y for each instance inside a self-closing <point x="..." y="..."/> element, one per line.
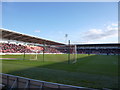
<point x="107" y="49"/>
<point x="104" y="49"/>
<point x="14" y="48"/>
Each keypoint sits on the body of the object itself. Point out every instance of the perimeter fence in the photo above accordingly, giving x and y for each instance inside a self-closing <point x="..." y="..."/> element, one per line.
<point x="16" y="82"/>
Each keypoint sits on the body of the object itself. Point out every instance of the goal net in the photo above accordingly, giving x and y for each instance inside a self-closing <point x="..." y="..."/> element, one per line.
<point x="72" y="51"/>
<point x="69" y="51"/>
<point x="74" y="54"/>
<point x="34" y="56"/>
<point x="35" y="51"/>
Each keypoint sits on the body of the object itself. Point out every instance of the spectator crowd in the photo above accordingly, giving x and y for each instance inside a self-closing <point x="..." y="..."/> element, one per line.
<point x="18" y="48"/>
<point x="14" y="48"/>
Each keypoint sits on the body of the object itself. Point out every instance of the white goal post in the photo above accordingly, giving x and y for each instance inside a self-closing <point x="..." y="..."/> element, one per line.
<point x="34" y="56"/>
<point x="35" y="51"/>
<point x="75" y="54"/>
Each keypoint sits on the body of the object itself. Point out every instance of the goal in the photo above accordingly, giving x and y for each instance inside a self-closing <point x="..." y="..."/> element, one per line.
<point x="34" y="56"/>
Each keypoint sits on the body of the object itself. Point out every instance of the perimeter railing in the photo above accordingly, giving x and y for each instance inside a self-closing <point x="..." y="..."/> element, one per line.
<point x="17" y="82"/>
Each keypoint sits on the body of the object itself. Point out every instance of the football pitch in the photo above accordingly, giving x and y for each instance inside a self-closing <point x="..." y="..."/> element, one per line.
<point x="94" y="71"/>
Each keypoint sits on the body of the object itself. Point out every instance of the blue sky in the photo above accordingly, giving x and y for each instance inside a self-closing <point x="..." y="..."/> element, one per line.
<point x="89" y="22"/>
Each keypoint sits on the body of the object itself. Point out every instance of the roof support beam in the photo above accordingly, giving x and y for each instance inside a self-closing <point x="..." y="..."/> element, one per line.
<point x="7" y="35"/>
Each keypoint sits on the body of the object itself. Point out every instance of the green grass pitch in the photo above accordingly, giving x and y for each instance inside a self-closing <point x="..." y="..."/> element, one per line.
<point x="95" y="71"/>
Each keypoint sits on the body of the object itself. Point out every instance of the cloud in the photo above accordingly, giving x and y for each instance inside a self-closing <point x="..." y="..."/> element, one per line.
<point x="37" y="31"/>
<point x="98" y="34"/>
<point x="112" y="27"/>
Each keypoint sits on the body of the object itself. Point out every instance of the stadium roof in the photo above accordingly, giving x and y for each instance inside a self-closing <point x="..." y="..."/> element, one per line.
<point x="12" y="35"/>
<point x="104" y="44"/>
